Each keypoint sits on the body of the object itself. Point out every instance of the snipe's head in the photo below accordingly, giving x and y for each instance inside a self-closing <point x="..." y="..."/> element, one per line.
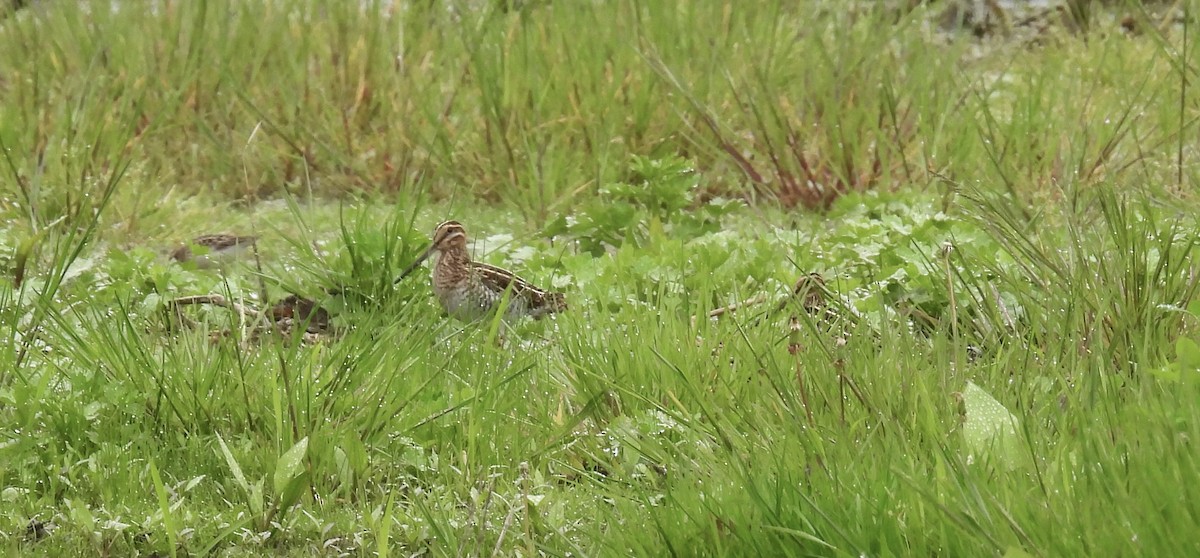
<point x="450" y="235"/>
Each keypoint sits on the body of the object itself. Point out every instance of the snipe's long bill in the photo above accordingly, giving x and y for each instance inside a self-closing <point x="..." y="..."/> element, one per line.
<point x="470" y="290"/>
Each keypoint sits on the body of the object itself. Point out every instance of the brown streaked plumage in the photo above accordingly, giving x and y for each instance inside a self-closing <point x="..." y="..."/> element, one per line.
<point x="470" y="290"/>
<point x="295" y="309"/>
<point x="211" y="250"/>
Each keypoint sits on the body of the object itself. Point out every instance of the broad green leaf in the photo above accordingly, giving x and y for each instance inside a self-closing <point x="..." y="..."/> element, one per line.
<point x="990" y="430"/>
<point x="80" y="515"/>
<point x="290" y="465"/>
<point x="1168" y="372"/>
<point x="291" y="493"/>
<point x="257" y="501"/>
<point x="233" y="465"/>
<point x="383" y="537"/>
<point x="12" y="494"/>
<point x="150" y="304"/>
<point x="195" y="481"/>
<point x="164" y="504"/>
<point x="1188" y="353"/>
<point x="355" y="454"/>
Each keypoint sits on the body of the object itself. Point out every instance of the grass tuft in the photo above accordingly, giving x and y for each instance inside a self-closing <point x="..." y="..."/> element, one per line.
<point x="841" y="280"/>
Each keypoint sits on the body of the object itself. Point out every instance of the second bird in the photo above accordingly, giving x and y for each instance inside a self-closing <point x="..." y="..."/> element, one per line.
<point x="471" y="290"/>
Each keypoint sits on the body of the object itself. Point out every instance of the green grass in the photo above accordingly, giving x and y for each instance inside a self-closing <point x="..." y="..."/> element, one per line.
<point x="1007" y="233"/>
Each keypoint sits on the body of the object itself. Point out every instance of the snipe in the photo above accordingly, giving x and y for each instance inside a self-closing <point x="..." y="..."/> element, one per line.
<point x="471" y="290"/>
<point x="214" y="250"/>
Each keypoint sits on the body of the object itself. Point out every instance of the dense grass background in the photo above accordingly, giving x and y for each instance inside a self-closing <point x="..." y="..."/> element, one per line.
<point x="1005" y="362"/>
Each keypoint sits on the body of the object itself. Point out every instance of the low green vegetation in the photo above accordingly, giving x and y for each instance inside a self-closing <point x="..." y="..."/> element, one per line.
<point x="840" y="283"/>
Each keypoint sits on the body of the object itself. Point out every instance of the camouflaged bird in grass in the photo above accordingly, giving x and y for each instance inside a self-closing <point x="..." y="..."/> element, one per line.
<point x="471" y="290"/>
